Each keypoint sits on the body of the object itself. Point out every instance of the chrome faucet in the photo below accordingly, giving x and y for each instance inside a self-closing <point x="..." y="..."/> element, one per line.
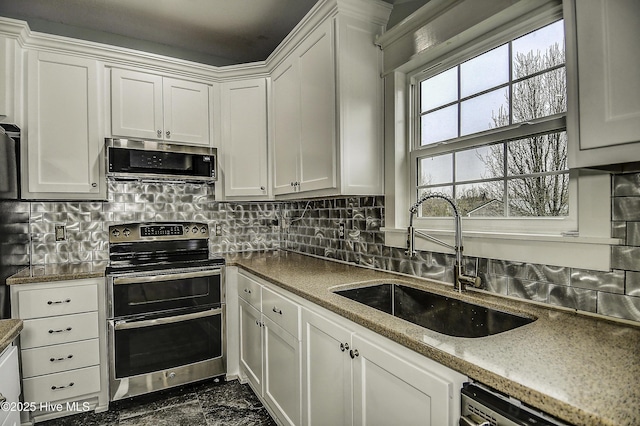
<point x="460" y="280"/>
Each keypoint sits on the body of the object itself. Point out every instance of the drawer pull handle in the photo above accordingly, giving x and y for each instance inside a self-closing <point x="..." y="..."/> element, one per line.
<point x="246" y="290"/>
<point x="62" y="387"/>
<point x="57" y="302"/>
<point x="60" y="359"/>
<point x="277" y="311"/>
<point x="60" y="331"/>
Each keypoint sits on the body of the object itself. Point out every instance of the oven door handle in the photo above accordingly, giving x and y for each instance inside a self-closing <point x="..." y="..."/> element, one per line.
<point x="128" y="325"/>
<point x="165" y="277"/>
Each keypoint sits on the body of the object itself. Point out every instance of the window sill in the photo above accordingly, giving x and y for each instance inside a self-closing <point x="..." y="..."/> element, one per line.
<point x="593" y="253"/>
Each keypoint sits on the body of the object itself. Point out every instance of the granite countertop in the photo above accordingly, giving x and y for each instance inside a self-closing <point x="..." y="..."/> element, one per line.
<point x="582" y="369"/>
<point x="9" y="330"/>
<point x="58" y="272"/>
<point x="579" y="368"/>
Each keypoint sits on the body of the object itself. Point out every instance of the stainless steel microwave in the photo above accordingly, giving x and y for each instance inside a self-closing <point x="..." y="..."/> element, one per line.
<point x="151" y="160"/>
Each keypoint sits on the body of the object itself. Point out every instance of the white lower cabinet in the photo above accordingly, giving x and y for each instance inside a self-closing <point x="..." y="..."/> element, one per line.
<point x="62" y="347"/>
<point x="251" y="345"/>
<point x="349" y="375"/>
<point x="327" y="382"/>
<point x="9" y="386"/>
<point x="390" y="389"/>
<point x="354" y="377"/>
<point x="282" y="372"/>
<point x="270" y="348"/>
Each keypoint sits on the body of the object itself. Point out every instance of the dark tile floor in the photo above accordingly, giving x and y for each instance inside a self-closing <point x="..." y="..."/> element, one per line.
<point x="203" y="404"/>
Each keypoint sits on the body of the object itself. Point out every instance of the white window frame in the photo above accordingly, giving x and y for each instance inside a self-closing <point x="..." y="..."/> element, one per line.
<point x="581" y="239"/>
<point x="538" y="225"/>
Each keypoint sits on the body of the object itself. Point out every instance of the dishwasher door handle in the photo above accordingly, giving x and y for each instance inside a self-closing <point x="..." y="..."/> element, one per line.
<point x="473" y="420"/>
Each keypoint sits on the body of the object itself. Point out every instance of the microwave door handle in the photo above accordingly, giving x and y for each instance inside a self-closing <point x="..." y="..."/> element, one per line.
<point x="124" y="325"/>
<point x="167" y="277"/>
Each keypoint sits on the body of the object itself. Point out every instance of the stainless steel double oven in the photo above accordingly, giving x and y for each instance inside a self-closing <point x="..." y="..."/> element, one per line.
<point x="166" y="307"/>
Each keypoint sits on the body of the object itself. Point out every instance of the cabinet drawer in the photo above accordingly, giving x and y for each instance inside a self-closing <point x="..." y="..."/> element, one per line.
<point x="57" y="358"/>
<point x="58" y="386"/>
<point x="281" y="311"/>
<point x="56" y="330"/>
<point x="47" y="302"/>
<point x="250" y="291"/>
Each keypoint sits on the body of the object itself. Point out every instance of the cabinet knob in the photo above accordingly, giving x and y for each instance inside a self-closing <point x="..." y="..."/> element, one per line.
<point x="354" y="353"/>
<point x="168" y="134"/>
<point x="262" y="188"/>
<point x="246" y="290"/>
<point x="159" y="132"/>
<point x="344" y="347"/>
<point x="94" y="185"/>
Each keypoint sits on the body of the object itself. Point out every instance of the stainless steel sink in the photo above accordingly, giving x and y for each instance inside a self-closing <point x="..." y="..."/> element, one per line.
<point x="443" y="314"/>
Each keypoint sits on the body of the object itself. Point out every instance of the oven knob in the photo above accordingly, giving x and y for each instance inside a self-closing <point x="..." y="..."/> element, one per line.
<point x="195" y="230"/>
<point x="126" y="232"/>
<point x="186" y="229"/>
<point x="115" y="233"/>
<point x="203" y="230"/>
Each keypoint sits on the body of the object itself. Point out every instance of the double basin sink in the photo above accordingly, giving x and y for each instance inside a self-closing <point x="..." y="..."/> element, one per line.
<point x="443" y="314"/>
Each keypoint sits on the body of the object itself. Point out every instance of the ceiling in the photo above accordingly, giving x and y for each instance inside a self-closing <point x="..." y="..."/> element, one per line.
<point x="215" y="32"/>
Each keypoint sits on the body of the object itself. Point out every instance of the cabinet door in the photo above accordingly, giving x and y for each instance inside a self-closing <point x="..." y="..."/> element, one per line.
<point x="285" y="90"/>
<point x="390" y="390"/>
<point x="251" y="344"/>
<point x="9" y="79"/>
<point x="244" y="135"/>
<point x="317" y="110"/>
<point x="282" y="386"/>
<point x="186" y="111"/>
<point x="327" y="385"/>
<point x="608" y="87"/>
<point x="9" y="378"/>
<point x="608" y="64"/>
<point x="136" y="105"/>
<point x="63" y="137"/>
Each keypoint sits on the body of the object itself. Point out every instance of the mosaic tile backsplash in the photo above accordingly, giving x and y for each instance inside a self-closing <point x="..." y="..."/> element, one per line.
<point x="244" y="226"/>
<point x="313" y="227"/>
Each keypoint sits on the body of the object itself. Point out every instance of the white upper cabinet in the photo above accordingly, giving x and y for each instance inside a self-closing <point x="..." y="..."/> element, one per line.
<point x="326" y="103"/>
<point x="244" y="138"/>
<point x="285" y="119"/>
<point x="317" y="158"/>
<point x="63" y="138"/>
<point x="304" y="116"/>
<point x="149" y="106"/>
<point x="607" y="88"/>
<point x="186" y="111"/>
<point x="10" y="78"/>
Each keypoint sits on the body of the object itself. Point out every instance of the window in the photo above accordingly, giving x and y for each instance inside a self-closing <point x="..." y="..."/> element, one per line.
<point x="469" y="152"/>
<point x="490" y="131"/>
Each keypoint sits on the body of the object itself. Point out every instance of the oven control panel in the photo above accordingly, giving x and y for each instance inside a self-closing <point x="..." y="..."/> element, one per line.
<point x="132" y="232"/>
<point x="160" y="230"/>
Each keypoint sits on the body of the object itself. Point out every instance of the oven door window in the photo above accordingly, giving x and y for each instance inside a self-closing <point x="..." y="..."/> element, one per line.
<point x="140" y="347"/>
<point x="150" y="294"/>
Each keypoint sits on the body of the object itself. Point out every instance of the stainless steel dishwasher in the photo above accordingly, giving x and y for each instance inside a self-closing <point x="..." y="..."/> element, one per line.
<point x="484" y="407"/>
